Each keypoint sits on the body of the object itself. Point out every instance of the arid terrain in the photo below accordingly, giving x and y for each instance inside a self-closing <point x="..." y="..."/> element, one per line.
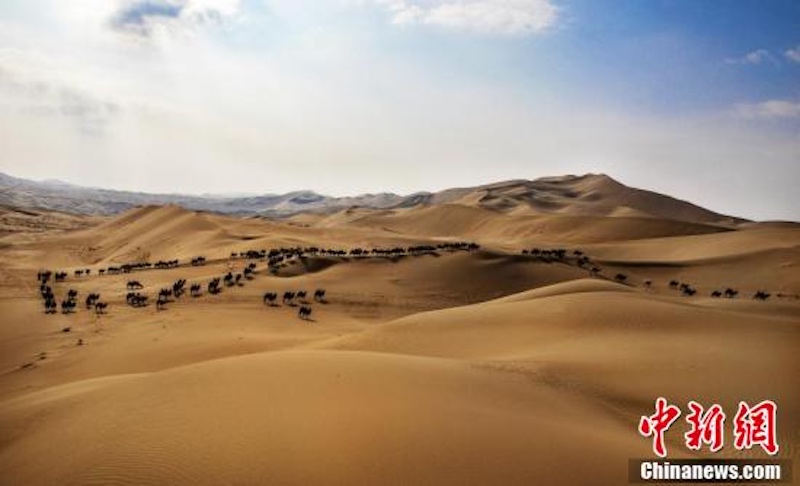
<point x="511" y="334"/>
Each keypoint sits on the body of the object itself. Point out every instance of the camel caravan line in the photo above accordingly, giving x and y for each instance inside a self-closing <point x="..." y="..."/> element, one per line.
<point x="276" y="258"/>
<point x="579" y="259"/>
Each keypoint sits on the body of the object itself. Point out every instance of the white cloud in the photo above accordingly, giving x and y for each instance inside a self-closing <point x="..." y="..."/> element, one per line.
<point x="502" y="17"/>
<point x="771" y="109"/>
<point x="148" y="17"/>
<point x="793" y="54"/>
<point x="759" y="56"/>
<point x="34" y="84"/>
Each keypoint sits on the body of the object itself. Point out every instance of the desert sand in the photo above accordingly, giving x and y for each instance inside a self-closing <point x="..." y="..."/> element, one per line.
<point x="448" y="367"/>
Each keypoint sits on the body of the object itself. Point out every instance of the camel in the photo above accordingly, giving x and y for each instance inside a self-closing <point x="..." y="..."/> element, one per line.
<point x="269" y="298"/>
<point x="44" y="276"/>
<point x="161" y="302"/>
<point x="46" y="291"/>
<point x="67" y="306"/>
<point x="164" y="295"/>
<point x="91" y="300"/>
<point x="50" y="306"/>
<point x="761" y="295"/>
<point x="178" y="288"/>
<point x="213" y="286"/>
<point x="304" y="312"/>
<point x="136" y="299"/>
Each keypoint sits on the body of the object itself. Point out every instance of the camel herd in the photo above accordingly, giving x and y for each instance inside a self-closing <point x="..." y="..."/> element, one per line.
<point x="276" y="258"/>
<point x="292" y="298"/>
<point x="579" y="259"/>
<point x="70" y="303"/>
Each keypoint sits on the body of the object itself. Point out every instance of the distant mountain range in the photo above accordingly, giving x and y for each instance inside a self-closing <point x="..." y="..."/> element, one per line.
<point x="590" y="195"/>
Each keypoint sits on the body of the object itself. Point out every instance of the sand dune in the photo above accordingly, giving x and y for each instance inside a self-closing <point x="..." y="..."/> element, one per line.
<point x="585" y="195"/>
<point x="455" y="367"/>
<point x="499" y="228"/>
<point x="310" y="418"/>
<point x="16" y="222"/>
<point x="750" y="259"/>
<point x="755" y="239"/>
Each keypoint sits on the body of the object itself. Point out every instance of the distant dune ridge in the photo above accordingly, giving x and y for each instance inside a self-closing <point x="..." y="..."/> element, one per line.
<point x="587" y="195"/>
<point x="466" y="367"/>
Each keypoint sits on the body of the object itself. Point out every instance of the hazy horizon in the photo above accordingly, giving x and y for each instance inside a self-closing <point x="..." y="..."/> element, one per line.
<point x="699" y="101"/>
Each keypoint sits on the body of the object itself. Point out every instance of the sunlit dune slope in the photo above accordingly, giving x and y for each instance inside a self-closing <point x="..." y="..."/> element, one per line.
<point x="459" y="221"/>
<point x="310" y="418"/>
<point x="584" y="195"/>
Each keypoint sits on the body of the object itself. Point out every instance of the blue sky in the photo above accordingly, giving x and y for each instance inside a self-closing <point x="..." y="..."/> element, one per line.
<point x="698" y="99"/>
<point x="682" y="55"/>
